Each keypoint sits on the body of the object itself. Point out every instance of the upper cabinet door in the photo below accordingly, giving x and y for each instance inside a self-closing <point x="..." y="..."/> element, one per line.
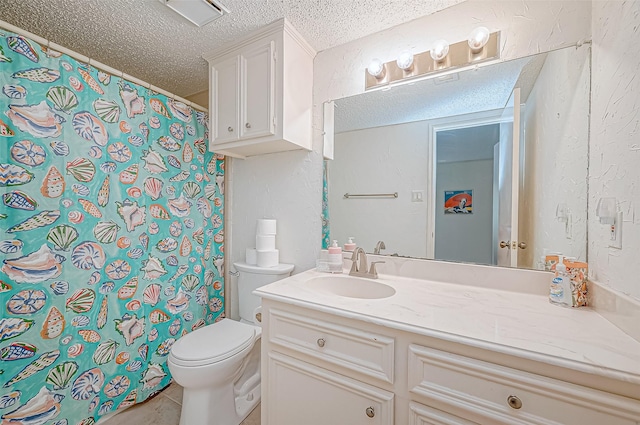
<point x="258" y="88"/>
<point x="225" y="100"/>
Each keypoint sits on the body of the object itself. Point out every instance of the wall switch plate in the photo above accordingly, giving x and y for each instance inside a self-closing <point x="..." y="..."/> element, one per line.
<point x="615" y="240"/>
<point x="417" y="196"/>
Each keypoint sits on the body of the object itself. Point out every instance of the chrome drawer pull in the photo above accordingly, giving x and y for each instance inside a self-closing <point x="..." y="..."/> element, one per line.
<point x="370" y="412"/>
<point x="514" y="402"/>
<point x="320" y="342"/>
<point x="230" y="129"/>
<point x="247" y="125"/>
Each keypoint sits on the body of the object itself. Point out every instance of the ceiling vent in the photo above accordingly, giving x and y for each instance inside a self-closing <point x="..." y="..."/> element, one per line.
<point x="199" y="12"/>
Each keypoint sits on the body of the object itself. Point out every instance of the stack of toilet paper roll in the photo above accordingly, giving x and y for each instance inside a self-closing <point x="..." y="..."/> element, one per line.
<point x="265" y="253"/>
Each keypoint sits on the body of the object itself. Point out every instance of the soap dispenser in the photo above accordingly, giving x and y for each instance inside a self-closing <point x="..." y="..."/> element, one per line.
<point x="350" y="246"/>
<point x="560" y="288"/>
<point x="335" y="258"/>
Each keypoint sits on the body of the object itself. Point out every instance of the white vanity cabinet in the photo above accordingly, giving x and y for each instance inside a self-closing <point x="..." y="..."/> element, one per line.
<point x="261" y="92"/>
<point x="320" y="371"/>
<point x="323" y="368"/>
<point x="482" y="392"/>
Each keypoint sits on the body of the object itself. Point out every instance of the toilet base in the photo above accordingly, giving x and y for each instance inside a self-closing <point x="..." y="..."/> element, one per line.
<point x="220" y="394"/>
<point x="219" y="406"/>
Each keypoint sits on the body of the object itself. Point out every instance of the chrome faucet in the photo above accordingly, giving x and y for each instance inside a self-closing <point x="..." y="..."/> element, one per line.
<point x="359" y="265"/>
<point x="379" y="246"/>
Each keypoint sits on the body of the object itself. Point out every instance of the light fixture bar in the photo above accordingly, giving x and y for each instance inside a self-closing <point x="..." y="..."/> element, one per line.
<point x="459" y="56"/>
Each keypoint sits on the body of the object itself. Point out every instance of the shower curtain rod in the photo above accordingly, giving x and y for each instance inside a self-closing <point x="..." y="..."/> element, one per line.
<point x="95" y="64"/>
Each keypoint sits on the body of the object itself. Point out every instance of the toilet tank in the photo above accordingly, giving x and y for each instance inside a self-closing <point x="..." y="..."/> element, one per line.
<point x="252" y="277"/>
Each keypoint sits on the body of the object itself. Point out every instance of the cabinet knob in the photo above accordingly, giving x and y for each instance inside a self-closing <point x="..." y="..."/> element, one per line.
<point x="514" y="402"/>
<point x="230" y="129"/>
<point x="504" y="244"/>
<point x="522" y="245"/>
<point x="247" y="125"/>
<point x="320" y="342"/>
<point x="370" y="412"/>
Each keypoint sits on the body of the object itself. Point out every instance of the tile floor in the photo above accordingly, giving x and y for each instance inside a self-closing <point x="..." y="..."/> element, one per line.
<point x="164" y="409"/>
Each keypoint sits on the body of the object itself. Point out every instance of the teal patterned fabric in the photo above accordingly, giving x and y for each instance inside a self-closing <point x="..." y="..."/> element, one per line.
<point x="111" y="236"/>
<point x="325" y="208"/>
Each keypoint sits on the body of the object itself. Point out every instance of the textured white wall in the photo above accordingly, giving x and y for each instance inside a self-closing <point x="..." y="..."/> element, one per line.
<point x="286" y="186"/>
<point x="381" y="160"/>
<point x="556" y="151"/>
<point x="465" y="237"/>
<point x="614" y="163"/>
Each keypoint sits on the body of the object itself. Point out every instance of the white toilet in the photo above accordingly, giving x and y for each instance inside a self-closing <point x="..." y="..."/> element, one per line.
<point x="219" y="365"/>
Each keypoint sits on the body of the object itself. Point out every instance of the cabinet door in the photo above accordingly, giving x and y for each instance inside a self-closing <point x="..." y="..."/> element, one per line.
<point x="300" y="393"/>
<point x="258" y="86"/>
<point x="226" y="96"/>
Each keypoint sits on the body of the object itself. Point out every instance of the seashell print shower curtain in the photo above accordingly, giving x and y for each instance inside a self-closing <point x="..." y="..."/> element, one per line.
<point x="111" y="237"/>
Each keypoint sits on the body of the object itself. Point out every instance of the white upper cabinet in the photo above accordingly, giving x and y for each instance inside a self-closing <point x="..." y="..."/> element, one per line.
<point x="226" y="89"/>
<point x="261" y="92"/>
<point x="258" y="98"/>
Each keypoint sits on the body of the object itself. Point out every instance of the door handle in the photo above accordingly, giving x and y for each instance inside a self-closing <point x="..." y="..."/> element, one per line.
<point x="504" y="244"/>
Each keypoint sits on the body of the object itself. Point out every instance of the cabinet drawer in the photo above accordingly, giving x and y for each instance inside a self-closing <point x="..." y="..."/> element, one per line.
<point x="424" y="415"/>
<point x="357" y="350"/>
<point x="301" y="393"/>
<point x="488" y="393"/>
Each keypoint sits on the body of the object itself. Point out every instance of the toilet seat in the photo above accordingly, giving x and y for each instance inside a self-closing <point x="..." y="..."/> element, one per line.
<point x="212" y="344"/>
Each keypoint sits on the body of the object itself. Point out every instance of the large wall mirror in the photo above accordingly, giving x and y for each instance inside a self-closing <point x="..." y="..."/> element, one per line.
<point x="485" y="165"/>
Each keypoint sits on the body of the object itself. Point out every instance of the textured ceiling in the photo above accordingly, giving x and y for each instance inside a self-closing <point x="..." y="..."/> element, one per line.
<point x="475" y="90"/>
<point x="147" y="40"/>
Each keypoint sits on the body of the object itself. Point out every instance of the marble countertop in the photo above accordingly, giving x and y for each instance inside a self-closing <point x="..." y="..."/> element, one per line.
<point x="521" y="324"/>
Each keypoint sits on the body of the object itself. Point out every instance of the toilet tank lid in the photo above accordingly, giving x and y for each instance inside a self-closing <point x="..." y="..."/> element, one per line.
<point x="279" y="269"/>
<point x="214" y="343"/>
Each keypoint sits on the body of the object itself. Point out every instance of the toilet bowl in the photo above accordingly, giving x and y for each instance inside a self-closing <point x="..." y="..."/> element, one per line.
<point x="219" y="365"/>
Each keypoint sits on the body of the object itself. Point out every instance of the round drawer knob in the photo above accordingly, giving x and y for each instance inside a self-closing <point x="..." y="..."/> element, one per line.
<point x="247" y="125"/>
<point x="230" y="129"/>
<point x="321" y="342"/>
<point x="370" y="412"/>
<point x="514" y="402"/>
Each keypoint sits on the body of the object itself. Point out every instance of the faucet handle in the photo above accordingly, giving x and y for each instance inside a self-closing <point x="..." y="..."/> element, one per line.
<point x="354" y="261"/>
<point x="372" y="270"/>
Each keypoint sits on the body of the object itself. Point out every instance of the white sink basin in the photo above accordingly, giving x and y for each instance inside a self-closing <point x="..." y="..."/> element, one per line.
<point x="351" y="287"/>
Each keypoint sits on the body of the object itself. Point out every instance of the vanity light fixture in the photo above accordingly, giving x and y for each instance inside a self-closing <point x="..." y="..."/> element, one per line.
<point x="442" y="57"/>
<point x="478" y="38"/>
<point x="405" y="60"/>
<point x="376" y="69"/>
<point x="607" y="211"/>
<point x="439" y="51"/>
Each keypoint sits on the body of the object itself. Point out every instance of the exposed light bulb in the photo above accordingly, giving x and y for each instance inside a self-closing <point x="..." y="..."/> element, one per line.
<point x="376" y="69"/>
<point x="405" y="60"/>
<point x="440" y="50"/>
<point x="478" y="39"/>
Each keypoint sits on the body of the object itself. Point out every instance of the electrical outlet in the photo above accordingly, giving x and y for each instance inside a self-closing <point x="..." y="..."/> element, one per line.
<point x="417" y="196"/>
